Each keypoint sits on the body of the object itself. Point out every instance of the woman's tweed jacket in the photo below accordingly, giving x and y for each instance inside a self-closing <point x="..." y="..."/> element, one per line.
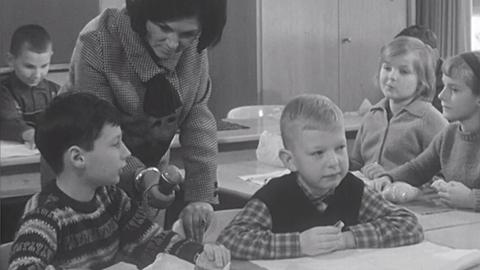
<point x="111" y="61"/>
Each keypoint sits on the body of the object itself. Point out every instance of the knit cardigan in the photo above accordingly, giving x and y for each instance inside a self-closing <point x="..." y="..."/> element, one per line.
<point x="393" y="142"/>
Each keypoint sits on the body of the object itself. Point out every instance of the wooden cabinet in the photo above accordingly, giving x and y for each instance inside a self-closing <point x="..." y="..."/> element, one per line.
<point x="299" y="49"/>
<point x="364" y="27"/>
<point x="273" y="50"/>
<point x="327" y="47"/>
<point x="234" y="61"/>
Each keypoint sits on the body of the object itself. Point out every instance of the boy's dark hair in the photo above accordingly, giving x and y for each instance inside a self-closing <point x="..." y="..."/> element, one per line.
<point x="421" y="32"/>
<point x="35" y="37"/>
<point x="72" y="119"/>
<point x="212" y="15"/>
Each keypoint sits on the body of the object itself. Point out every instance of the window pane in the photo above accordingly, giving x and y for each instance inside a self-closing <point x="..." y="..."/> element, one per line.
<point x="476" y="25"/>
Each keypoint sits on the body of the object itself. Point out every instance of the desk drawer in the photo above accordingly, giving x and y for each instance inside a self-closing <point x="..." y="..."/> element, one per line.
<point x="19" y="184"/>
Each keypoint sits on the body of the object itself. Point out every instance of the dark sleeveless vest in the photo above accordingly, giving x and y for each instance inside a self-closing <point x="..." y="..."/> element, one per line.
<point x="292" y="211"/>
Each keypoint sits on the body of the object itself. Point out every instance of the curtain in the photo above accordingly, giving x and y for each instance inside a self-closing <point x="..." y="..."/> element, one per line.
<point x="450" y="20"/>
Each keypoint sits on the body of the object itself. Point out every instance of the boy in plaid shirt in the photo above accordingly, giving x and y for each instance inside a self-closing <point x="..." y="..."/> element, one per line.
<point x="319" y="207"/>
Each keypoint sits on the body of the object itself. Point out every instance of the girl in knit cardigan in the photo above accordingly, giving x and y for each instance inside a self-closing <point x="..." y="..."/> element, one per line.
<point x="401" y="125"/>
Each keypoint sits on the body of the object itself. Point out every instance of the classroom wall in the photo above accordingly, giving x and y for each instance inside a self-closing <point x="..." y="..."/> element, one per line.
<point x="63" y="19"/>
<point x="111" y="4"/>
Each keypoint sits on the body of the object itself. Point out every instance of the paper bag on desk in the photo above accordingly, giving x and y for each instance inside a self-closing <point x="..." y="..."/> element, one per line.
<point x="269" y="145"/>
<point x="400" y="192"/>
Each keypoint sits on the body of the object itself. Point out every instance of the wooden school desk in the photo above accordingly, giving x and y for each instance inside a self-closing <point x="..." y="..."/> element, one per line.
<point x="431" y="215"/>
<point x="442" y="225"/>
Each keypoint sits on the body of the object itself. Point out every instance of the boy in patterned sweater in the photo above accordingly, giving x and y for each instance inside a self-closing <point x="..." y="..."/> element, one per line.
<point x="319" y="207"/>
<point x="82" y="220"/>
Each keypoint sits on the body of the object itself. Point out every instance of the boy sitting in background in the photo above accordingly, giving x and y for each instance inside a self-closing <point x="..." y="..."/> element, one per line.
<point x="25" y="92"/>
<point x="82" y="220"/>
<point x="294" y="215"/>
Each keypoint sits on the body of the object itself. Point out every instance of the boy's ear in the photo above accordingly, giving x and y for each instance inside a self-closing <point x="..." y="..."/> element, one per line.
<point x="75" y="156"/>
<point x="287" y="159"/>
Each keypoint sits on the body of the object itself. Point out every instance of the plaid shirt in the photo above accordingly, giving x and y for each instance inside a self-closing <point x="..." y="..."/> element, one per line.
<point x="110" y="60"/>
<point x="382" y="224"/>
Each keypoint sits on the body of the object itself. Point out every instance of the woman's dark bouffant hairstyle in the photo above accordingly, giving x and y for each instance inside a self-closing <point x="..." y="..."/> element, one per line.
<point x="211" y="14"/>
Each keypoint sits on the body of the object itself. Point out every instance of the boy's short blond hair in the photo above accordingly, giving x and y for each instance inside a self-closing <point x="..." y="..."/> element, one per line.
<point x="308" y="112"/>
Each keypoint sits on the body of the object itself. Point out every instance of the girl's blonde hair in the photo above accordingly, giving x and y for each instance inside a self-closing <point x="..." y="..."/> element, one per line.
<point x="455" y="67"/>
<point x="423" y="62"/>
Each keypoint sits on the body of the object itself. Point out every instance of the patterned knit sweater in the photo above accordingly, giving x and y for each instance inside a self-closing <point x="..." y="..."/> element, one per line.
<point x="57" y="230"/>
<point x="453" y="152"/>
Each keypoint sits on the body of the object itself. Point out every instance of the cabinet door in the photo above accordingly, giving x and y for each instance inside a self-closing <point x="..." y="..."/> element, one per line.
<point x="233" y="62"/>
<point x="298" y="49"/>
<point x="365" y="26"/>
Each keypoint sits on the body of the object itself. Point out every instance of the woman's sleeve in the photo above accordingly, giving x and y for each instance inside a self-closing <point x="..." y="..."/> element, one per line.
<point x="87" y="68"/>
<point x="198" y="137"/>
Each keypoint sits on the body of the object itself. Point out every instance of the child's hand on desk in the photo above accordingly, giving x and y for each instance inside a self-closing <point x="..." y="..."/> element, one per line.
<point x="324" y="239"/>
<point x="456" y="194"/>
<point x="379" y="184"/>
<point x="372" y="170"/>
<point x="213" y="257"/>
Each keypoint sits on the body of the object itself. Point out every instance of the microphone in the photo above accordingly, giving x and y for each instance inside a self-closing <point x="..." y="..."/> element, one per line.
<point x="170" y="178"/>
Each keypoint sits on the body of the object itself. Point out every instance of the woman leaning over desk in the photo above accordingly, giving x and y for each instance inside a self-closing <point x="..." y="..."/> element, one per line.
<point x="150" y="61"/>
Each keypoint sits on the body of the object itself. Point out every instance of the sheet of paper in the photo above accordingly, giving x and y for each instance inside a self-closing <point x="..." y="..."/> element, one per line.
<point x="122" y="266"/>
<point x="423" y="256"/>
<point x="14" y="149"/>
<point x="263" y="178"/>
<point x="167" y="261"/>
